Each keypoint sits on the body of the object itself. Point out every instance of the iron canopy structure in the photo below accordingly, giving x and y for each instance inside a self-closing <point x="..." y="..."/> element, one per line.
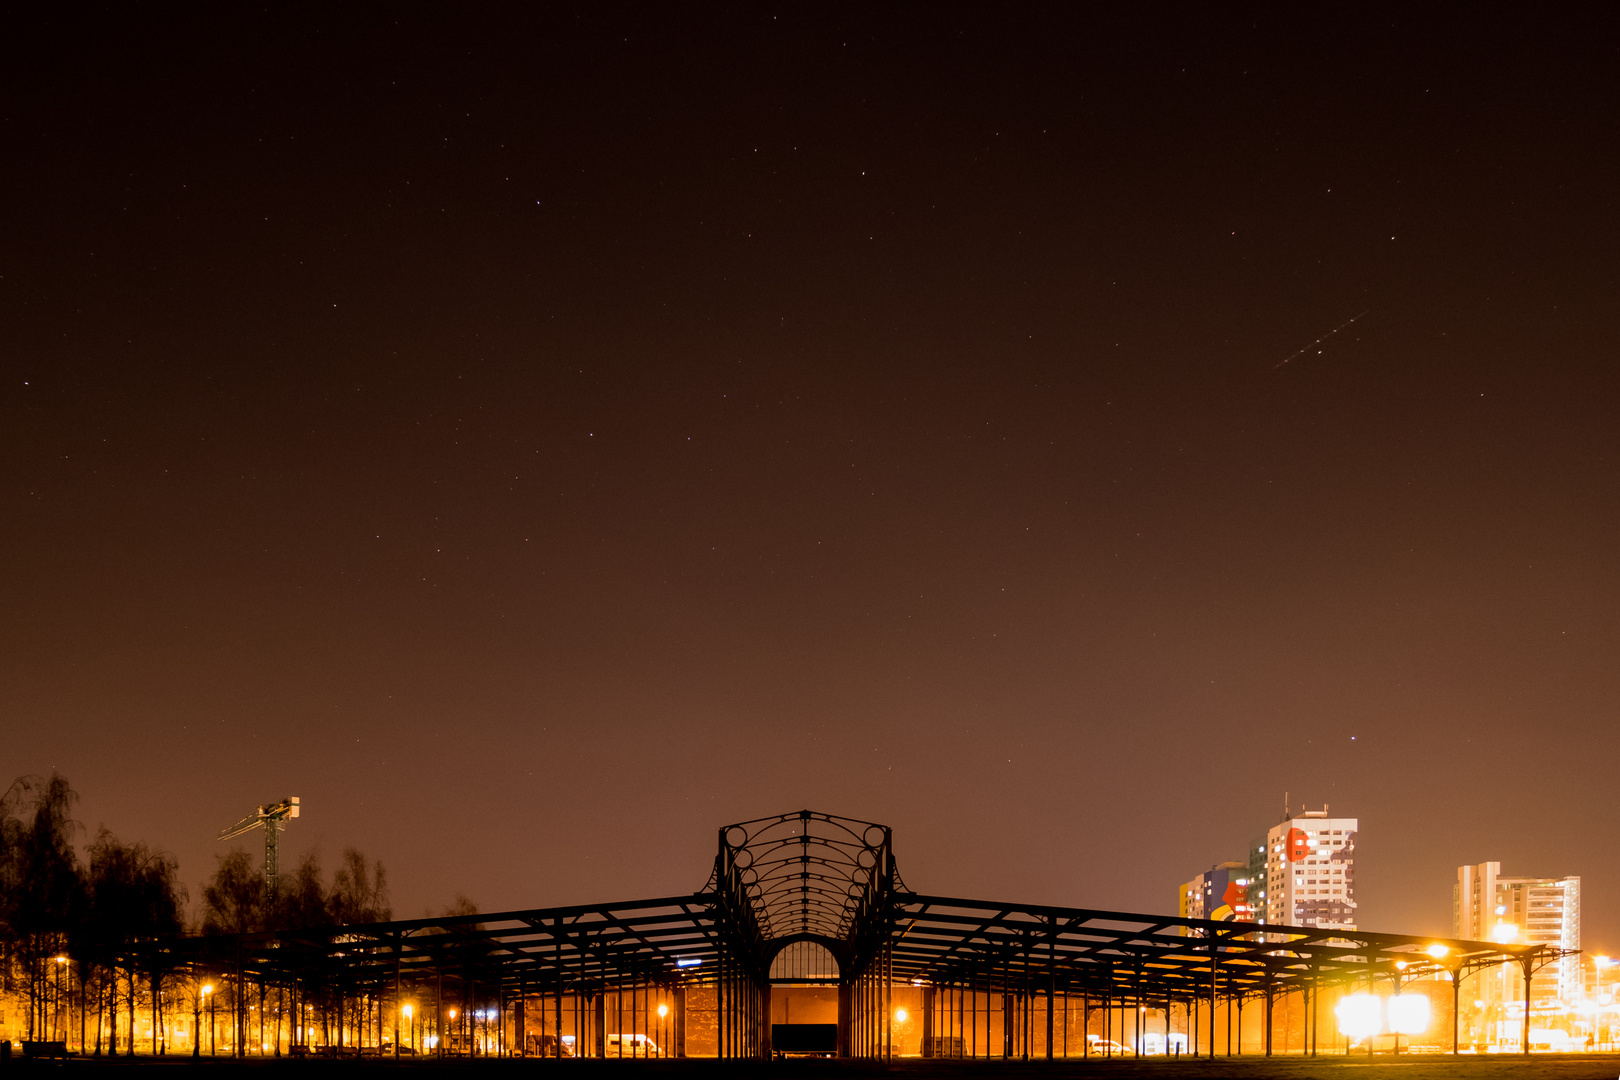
<point x="811" y="879"/>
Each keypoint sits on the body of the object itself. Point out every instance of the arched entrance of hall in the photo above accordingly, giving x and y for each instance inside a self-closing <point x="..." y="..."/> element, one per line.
<point x="807" y="1015"/>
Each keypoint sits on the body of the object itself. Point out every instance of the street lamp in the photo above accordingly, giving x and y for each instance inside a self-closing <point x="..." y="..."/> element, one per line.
<point x="208" y="995"/>
<point x="1599" y="964"/>
<point x="60" y="962"/>
<point x="410" y="1014"/>
<point x="1504" y="933"/>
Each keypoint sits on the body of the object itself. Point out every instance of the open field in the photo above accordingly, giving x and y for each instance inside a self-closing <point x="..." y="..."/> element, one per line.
<point x="1405" y="1067"/>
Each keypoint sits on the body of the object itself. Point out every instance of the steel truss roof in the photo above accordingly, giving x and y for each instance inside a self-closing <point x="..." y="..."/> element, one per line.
<point x="587" y="945"/>
<point x="809" y="876"/>
<point x="946" y="940"/>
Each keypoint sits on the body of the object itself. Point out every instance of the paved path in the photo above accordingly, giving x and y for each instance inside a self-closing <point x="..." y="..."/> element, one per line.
<point x="1405" y="1067"/>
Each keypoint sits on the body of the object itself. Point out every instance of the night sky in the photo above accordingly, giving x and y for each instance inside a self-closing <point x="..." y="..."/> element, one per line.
<point x="538" y="439"/>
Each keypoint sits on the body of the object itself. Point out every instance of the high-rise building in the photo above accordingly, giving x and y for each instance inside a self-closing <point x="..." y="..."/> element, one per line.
<point x="1220" y="894"/>
<point x="1486" y="906"/>
<point x="1257" y="877"/>
<point x="1311" y="871"/>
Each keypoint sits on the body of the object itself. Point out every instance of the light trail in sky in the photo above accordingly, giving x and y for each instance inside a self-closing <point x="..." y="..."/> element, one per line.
<point x="1318" y="341"/>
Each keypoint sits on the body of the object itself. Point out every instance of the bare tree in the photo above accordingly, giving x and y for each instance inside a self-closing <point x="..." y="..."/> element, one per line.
<point x="135" y="902"/>
<point x="233" y="899"/>
<point x="360" y="890"/>
<point x="303" y="902"/>
<point x="45" y="895"/>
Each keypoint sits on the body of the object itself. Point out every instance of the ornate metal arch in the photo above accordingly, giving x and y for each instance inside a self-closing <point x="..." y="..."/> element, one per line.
<point x="807" y="873"/>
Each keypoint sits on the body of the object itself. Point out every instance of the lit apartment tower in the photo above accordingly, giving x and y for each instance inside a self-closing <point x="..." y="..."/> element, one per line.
<point x="1257" y="877"/>
<point x="1220" y="894"/>
<point x="1485" y="906"/>
<point x="1311" y="871"/>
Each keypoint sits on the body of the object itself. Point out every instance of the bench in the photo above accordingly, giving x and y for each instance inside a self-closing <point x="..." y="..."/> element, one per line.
<point x="35" y="1048"/>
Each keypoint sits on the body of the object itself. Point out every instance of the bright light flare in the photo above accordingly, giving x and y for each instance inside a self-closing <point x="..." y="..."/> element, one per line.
<point x="663" y="1011"/>
<point x="900" y="1015"/>
<point x="1438" y="951"/>
<point x="1359" y="1015"/>
<point x="1409" y="1014"/>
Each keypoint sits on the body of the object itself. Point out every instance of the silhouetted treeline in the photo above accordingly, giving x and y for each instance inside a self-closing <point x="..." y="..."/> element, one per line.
<point x="66" y="928"/>
<point x="82" y="937"/>
<point x="235" y="900"/>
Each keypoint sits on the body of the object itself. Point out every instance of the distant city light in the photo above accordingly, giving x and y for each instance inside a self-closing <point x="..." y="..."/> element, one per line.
<point x="688" y="963"/>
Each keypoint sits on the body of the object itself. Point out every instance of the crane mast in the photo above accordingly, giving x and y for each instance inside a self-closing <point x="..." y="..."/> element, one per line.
<point x="272" y="818"/>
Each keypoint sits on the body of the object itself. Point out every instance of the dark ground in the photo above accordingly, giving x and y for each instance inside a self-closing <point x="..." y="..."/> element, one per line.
<point x="1407" y="1067"/>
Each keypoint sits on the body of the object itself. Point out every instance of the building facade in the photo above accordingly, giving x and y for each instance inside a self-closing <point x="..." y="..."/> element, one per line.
<point x="1488" y="906"/>
<point x="1311" y="871"/>
<point x="1220" y="894"/>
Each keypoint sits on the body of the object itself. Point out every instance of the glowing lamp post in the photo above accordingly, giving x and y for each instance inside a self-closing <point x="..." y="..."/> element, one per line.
<point x="1505" y="933"/>
<point x="410" y="1017"/>
<point x="61" y="966"/>
<point x="208" y="995"/>
<point x="663" y="1030"/>
<point x="1454" y="972"/>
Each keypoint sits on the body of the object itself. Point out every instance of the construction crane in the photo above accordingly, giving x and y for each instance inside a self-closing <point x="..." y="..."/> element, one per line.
<point x="272" y="817"/>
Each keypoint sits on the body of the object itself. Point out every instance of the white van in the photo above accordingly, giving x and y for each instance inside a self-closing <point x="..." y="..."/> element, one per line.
<point x="631" y="1046"/>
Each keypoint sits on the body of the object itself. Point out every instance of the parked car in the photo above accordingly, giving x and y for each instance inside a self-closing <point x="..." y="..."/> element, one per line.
<point x="1107" y="1047"/>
